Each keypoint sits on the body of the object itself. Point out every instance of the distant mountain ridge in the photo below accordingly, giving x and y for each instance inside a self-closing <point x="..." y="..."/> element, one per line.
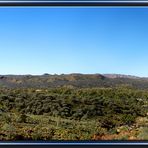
<point x="72" y="80"/>
<point x="121" y="76"/>
<point x="110" y="75"/>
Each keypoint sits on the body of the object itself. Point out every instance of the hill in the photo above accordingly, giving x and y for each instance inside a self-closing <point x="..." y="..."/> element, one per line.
<point x="72" y="80"/>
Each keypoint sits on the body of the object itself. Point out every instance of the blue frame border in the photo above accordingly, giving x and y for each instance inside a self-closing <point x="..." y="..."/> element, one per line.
<point x="81" y="143"/>
<point x="81" y="4"/>
<point x="72" y="3"/>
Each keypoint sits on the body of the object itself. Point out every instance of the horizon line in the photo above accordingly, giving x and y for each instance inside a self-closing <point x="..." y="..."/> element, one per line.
<point x="72" y="73"/>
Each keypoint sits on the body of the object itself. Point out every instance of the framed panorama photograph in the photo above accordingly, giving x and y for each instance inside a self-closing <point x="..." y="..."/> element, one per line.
<point x="73" y="72"/>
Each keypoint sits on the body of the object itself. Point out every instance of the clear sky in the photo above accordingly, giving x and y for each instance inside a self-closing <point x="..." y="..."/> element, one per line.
<point x="74" y="40"/>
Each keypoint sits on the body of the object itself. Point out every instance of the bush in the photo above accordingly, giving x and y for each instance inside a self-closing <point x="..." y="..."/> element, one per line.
<point x="22" y="118"/>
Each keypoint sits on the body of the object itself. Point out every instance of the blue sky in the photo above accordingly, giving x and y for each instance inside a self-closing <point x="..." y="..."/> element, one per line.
<point x="74" y="40"/>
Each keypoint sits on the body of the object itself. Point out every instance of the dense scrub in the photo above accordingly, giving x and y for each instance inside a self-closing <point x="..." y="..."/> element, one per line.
<point x="67" y="113"/>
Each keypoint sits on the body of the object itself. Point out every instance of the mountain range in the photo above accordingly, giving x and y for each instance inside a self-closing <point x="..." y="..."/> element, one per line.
<point x="72" y="80"/>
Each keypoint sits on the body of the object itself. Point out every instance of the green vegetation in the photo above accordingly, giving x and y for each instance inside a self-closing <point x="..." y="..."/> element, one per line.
<point x="68" y="113"/>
